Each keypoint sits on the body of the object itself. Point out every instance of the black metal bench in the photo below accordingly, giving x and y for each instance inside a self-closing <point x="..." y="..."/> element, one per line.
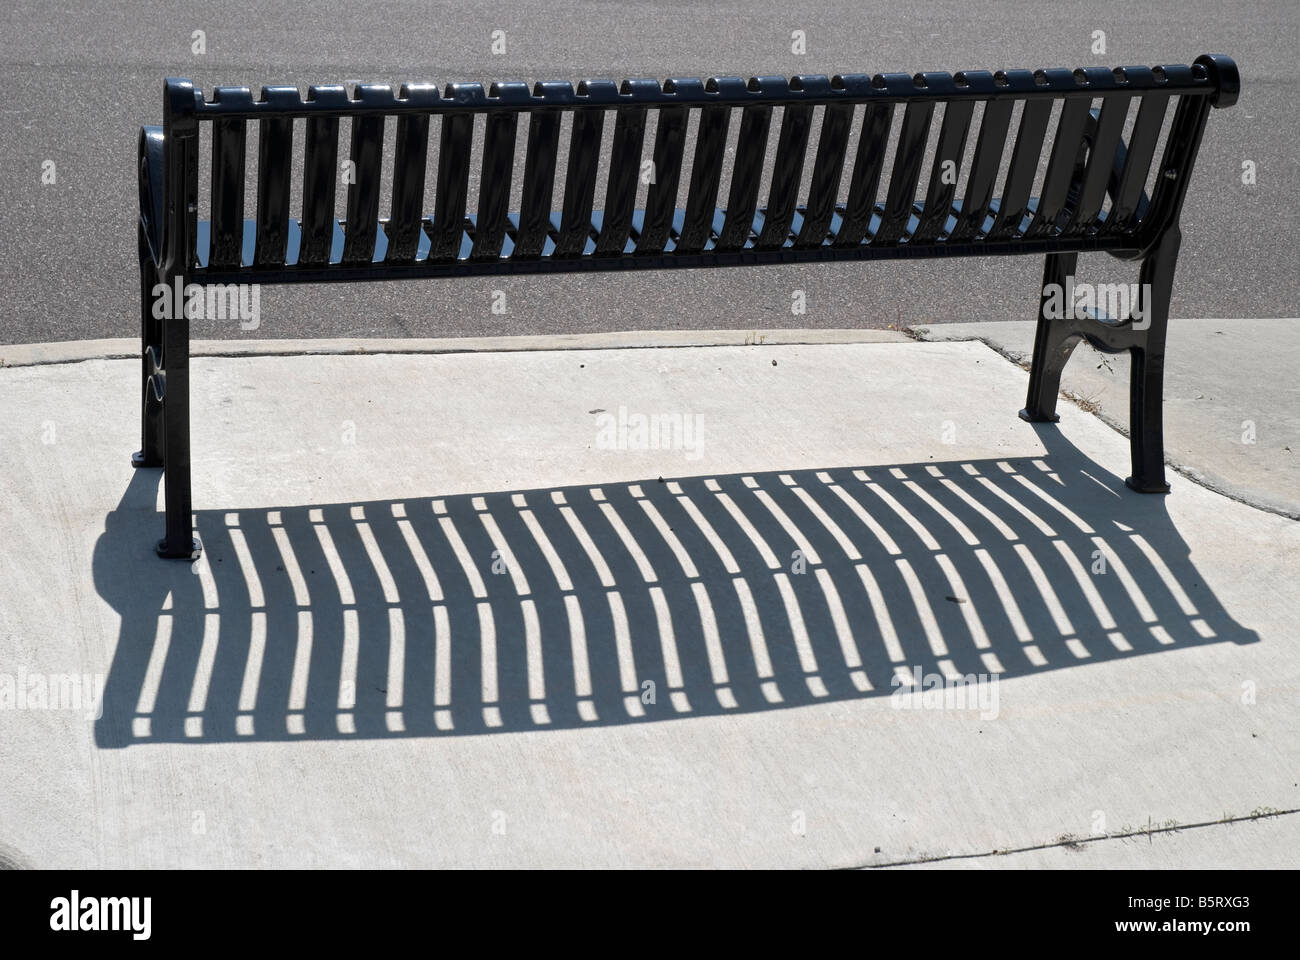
<point x="1093" y="197"/>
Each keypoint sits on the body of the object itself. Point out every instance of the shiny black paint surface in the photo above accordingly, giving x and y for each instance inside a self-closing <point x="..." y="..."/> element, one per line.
<point x="1087" y="162"/>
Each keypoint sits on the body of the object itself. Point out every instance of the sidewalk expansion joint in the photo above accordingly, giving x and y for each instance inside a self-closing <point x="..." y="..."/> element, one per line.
<point x="1070" y="842"/>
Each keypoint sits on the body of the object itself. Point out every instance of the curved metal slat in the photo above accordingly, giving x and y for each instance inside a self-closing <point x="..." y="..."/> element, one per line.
<point x="706" y="173"/>
<point x="274" y="161"/>
<point x="494" y="185"/>
<point x="412" y="151"/>
<point x="666" y="172"/>
<point x="1101" y="164"/>
<point x="363" y="191"/>
<point x="828" y="168"/>
<point x="946" y="169"/>
<point x="539" y="183"/>
<point x="320" y="177"/>
<point x="1127" y="205"/>
<point x="989" y="147"/>
<point x="448" y="226"/>
<point x="228" y="147"/>
<point x="411" y="146"/>
<point x="865" y="179"/>
<point x="624" y="174"/>
<point x="1061" y="167"/>
<point x="906" y="174"/>
<point x="580" y="183"/>
<point x="783" y="195"/>
<point x="1024" y="164"/>
<point x="742" y="200"/>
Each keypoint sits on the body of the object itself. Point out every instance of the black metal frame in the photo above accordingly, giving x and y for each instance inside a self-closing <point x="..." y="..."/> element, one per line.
<point x="1088" y="161"/>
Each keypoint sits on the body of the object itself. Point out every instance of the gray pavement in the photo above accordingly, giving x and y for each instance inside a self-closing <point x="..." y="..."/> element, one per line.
<point x="78" y="80"/>
<point x="451" y="611"/>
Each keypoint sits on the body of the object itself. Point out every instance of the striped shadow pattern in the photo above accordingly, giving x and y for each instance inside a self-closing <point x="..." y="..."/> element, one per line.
<point x="637" y="602"/>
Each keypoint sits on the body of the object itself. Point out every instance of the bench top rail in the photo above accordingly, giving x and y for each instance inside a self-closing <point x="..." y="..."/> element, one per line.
<point x="1206" y="76"/>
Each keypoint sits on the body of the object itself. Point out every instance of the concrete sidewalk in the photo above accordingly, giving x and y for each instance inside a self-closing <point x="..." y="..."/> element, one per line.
<point x="453" y="611"/>
<point x="1232" y="398"/>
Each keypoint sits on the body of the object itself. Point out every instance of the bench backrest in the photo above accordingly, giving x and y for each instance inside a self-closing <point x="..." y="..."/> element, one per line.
<point x="843" y="200"/>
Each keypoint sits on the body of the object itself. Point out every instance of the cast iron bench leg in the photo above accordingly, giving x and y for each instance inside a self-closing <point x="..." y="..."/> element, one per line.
<point x="1053" y="343"/>
<point x="179" y="540"/>
<point x="1146" y="379"/>
<point x="1055" y="340"/>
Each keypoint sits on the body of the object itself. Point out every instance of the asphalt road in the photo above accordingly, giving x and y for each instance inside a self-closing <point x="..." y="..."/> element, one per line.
<point x="78" y="79"/>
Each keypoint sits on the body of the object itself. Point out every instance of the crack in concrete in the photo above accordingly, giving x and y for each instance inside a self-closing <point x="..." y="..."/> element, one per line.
<point x="1070" y="842"/>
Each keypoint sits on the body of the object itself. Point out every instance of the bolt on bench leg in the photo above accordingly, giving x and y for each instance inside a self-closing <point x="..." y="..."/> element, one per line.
<point x="1053" y="344"/>
<point x="1146" y="383"/>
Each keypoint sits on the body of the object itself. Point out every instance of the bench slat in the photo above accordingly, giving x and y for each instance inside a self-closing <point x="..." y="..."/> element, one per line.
<point x="1101" y="164"/>
<point x="989" y="148"/>
<point x="274" y="163"/>
<point x="706" y="175"/>
<point x="448" y="224"/>
<point x="943" y="178"/>
<point x="494" y="185"/>
<point x="783" y="195"/>
<point x="746" y="177"/>
<point x="906" y="174"/>
<point x="580" y="182"/>
<point x="539" y="183"/>
<point x="1024" y="165"/>
<point x="411" y="155"/>
<point x="228" y="146"/>
<point x="666" y="172"/>
<point x="1061" y="167"/>
<point x="1137" y="162"/>
<point x="624" y="175"/>
<point x="320" y="176"/>
<point x="363" y="192"/>
<point x="828" y="168"/>
<point x="865" y="180"/>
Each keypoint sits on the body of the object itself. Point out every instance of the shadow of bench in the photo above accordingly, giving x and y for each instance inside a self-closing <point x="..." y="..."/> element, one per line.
<point x="632" y="603"/>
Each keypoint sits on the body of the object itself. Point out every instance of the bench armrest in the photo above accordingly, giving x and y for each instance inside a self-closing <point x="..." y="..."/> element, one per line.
<point x="151" y="190"/>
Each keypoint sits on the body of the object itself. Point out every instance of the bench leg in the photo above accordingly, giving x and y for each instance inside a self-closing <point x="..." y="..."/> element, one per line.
<point x="1146" y="383"/>
<point x="150" y="453"/>
<point x="1053" y="344"/>
<point x="179" y="541"/>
